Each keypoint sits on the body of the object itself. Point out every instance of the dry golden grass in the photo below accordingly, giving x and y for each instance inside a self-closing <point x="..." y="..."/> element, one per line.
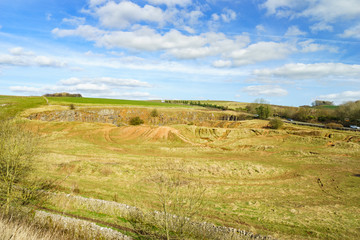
<point x="22" y="230"/>
<point x="293" y="183"/>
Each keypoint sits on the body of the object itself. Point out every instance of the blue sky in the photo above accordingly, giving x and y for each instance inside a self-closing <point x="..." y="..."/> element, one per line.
<point x="288" y="52"/>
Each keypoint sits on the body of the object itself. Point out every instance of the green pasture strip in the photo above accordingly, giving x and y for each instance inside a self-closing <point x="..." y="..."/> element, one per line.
<point x="10" y="106"/>
<point x="76" y="100"/>
<point x="327" y="107"/>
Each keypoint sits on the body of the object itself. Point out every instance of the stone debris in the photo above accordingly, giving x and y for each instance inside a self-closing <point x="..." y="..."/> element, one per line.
<point x="204" y="229"/>
<point x="79" y="227"/>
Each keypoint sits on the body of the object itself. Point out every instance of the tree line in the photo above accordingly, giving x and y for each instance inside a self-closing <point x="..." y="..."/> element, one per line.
<point x="198" y="103"/>
<point x="345" y="114"/>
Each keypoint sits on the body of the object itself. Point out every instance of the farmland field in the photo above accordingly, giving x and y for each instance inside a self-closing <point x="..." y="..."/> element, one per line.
<point x="293" y="183"/>
<point x="104" y="101"/>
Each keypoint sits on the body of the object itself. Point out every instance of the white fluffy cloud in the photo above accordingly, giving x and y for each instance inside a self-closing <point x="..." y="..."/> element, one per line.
<point x="322" y="11"/>
<point x="332" y="10"/>
<point x="111" y="82"/>
<point x="321" y="26"/>
<point x="222" y="63"/>
<point x="94" y="3"/>
<point x="228" y="15"/>
<point x="19" y="57"/>
<point x="122" y="14"/>
<point x="171" y="3"/>
<point x="86" y="31"/>
<point x="261" y="51"/>
<point x="19" y="51"/>
<point x="342" y="97"/>
<point x="126" y="14"/>
<point x="140" y="39"/>
<point x="260" y="28"/>
<point x="353" y="32"/>
<point x="228" y="51"/>
<point x="174" y="42"/>
<point x="265" y="90"/>
<point x="310" y="46"/>
<point x="103" y="86"/>
<point x="297" y="71"/>
<point x="294" y="31"/>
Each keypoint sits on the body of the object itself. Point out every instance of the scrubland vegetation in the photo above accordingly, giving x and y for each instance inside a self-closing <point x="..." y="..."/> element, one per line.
<point x="156" y="181"/>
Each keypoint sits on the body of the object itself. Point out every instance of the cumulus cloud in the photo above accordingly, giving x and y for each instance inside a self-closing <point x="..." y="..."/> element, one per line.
<point x="321" y="26"/>
<point x="265" y="90"/>
<point x="331" y="10"/>
<point x="94" y="3"/>
<point x="171" y="3"/>
<point x="174" y="42"/>
<point x="228" y="15"/>
<point x="143" y="38"/>
<point x="103" y="86"/>
<point x="19" y="51"/>
<point x="261" y="51"/>
<point x="311" y="46"/>
<point x="86" y="90"/>
<point x="353" y="32"/>
<point x="122" y="14"/>
<point x="294" y="31"/>
<point x="323" y="11"/>
<point x="341" y="97"/>
<point x="222" y="63"/>
<point x="260" y="28"/>
<point x="86" y="31"/>
<point x="297" y="71"/>
<point x="112" y="82"/>
<point x="213" y="44"/>
<point x="19" y="57"/>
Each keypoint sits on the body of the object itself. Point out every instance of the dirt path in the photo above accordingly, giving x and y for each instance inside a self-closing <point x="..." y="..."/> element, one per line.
<point x="47" y="100"/>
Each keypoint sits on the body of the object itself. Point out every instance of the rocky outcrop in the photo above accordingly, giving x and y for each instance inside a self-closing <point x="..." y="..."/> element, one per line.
<point x="122" y="116"/>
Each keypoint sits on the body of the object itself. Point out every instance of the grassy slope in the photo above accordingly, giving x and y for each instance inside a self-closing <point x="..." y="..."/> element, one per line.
<point x="12" y="105"/>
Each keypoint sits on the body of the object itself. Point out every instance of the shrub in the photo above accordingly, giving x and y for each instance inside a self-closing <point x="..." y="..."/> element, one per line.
<point x="136" y="121"/>
<point x="18" y="148"/>
<point x="72" y="107"/>
<point x="154" y="113"/>
<point x="275" y="123"/>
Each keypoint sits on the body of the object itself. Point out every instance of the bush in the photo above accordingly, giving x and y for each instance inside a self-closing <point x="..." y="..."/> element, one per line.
<point x="275" y="123"/>
<point x="154" y="113"/>
<point x="18" y="148"/>
<point x="72" y="107"/>
<point x="136" y="121"/>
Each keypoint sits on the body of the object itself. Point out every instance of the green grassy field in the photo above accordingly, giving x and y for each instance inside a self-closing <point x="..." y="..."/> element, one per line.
<point x="104" y="101"/>
<point x="12" y="105"/>
<point x="293" y="183"/>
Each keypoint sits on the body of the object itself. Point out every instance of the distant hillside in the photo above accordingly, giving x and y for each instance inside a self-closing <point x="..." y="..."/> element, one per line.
<point x="63" y="94"/>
